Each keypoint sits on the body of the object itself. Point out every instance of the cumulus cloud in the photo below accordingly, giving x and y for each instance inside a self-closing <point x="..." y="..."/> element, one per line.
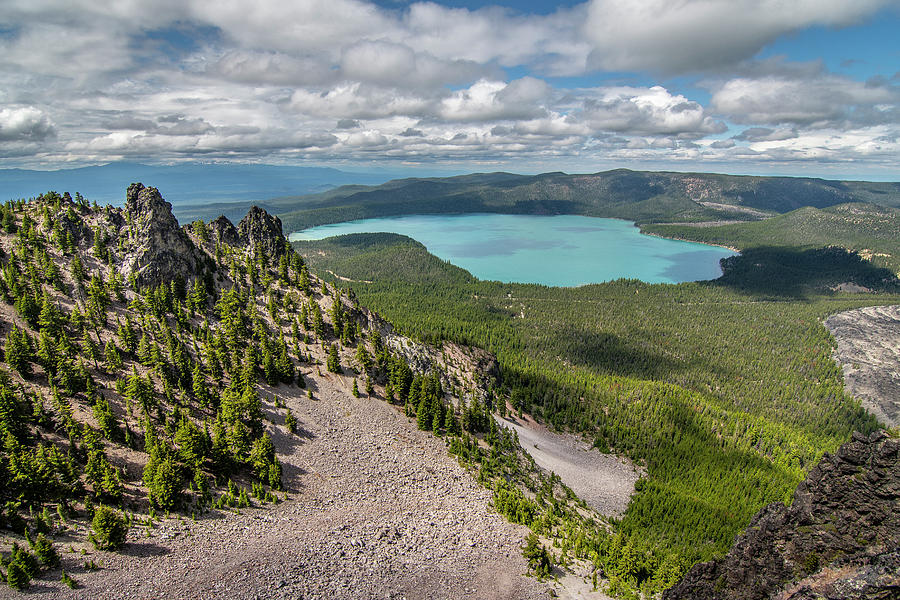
<point x="270" y="67"/>
<point x="764" y="134"/>
<point x="826" y="98"/>
<point x="25" y="124"/>
<point x="693" y="35"/>
<point x="495" y="100"/>
<point x="348" y="78"/>
<point x="357" y="101"/>
<point x="651" y="110"/>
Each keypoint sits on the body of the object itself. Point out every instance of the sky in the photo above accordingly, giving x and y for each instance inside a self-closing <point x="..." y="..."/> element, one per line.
<point x="793" y="87"/>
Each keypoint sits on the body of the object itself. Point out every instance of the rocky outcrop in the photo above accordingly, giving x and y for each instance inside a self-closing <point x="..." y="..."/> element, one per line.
<point x="840" y="538"/>
<point x="158" y="250"/>
<point x="72" y="225"/>
<point x="224" y="231"/>
<point x="868" y="350"/>
<point x="261" y="230"/>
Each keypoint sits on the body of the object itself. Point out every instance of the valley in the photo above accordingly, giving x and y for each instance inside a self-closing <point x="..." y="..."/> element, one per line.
<point x="601" y="439"/>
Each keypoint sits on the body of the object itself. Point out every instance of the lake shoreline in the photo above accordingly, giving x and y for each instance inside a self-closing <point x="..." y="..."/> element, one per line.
<point x="552" y="250"/>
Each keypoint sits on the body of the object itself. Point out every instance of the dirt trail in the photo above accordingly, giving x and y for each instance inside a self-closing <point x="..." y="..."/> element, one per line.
<point x="377" y="509"/>
<point x="604" y="481"/>
<point x="868" y="350"/>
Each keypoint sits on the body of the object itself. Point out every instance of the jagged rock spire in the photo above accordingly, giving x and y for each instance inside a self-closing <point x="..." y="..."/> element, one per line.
<point x="157" y="250"/>
<point x="262" y="230"/>
<point x="225" y="231"/>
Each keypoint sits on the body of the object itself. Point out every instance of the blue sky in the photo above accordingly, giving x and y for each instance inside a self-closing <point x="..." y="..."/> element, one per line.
<point x="808" y="87"/>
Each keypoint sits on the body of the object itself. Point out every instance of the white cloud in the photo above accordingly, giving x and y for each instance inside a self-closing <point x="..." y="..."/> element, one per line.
<point x="357" y="101"/>
<point x="102" y="79"/>
<point x="651" y="110"/>
<point x="388" y="63"/>
<point x="826" y="98"/>
<point x="497" y="101"/>
<point x="270" y="67"/>
<point x="694" y="35"/>
<point x="25" y="124"/>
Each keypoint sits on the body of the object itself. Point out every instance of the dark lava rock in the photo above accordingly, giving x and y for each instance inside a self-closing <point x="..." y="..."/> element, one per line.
<point x="261" y="230"/>
<point x="225" y="231"/>
<point x="158" y="250"/>
<point x="71" y="223"/>
<point x="838" y="539"/>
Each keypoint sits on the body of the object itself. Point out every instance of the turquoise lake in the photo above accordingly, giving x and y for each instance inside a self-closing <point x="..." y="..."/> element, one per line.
<point x="562" y="250"/>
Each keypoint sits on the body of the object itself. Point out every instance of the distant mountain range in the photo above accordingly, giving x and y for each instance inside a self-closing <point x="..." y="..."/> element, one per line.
<point x="641" y="196"/>
<point x="182" y="184"/>
<point x="308" y="196"/>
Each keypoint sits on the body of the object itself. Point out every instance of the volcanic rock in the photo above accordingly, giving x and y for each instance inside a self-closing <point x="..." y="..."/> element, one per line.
<point x="225" y="231"/>
<point x="261" y="230"/>
<point x="840" y="538"/>
<point x="158" y="250"/>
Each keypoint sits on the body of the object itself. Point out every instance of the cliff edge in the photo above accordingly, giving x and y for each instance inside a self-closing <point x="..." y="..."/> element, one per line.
<point x="840" y="538"/>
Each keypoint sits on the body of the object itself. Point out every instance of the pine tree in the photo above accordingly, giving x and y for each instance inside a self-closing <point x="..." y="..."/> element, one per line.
<point x="18" y="351"/>
<point x="79" y="274"/>
<point x="355" y="390"/>
<point x="268" y="364"/>
<point x="362" y="358"/>
<point x="249" y="367"/>
<point x="334" y="360"/>
<point x="111" y="355"/>
<point x="16" y="577"/>
<point x="423" y="415"/>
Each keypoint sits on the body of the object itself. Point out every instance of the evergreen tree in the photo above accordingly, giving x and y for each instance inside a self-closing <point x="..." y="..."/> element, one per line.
<point x="109" y="529"/>
<point x="18" y="353"/>
<point x="362" y="358"/>
<point x="334" y="360"/>
<point x="270" y="372"/>
<point x="76" y="268"/>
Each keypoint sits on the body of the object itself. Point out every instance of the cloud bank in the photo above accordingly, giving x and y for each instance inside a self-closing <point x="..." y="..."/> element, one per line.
<point x="348" y="81"/>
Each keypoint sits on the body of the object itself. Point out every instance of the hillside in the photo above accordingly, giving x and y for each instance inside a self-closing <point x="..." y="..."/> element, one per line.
<point x="168" y="387"/>
<point x="725" y="391"/>
<point x="641" y="196"/>
<point x="839" y="538"/>
<point x="867" y="229"/>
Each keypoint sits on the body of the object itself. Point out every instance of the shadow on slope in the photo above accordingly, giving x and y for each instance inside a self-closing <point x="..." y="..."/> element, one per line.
<point x="779" y="272"/>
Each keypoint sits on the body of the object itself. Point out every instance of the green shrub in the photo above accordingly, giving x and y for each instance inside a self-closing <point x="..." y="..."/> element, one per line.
<point x="16" y="577"/>
<point x="46" y="553"/>
<point x="24" y="559"/>
<point x="165" y="483"/>
<point x="68" y="580"/>
<point x="108" y="529"/>
<point x="539" y="562"/>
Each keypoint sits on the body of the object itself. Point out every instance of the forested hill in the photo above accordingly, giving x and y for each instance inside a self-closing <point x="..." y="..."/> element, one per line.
<point x="640" y="196"/>
<point x="150" y="368"/>
<point x="726" y="390"/>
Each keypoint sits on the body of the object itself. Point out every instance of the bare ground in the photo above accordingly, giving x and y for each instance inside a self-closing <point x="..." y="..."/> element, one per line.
<point x="604" y="481"/>
<point x="376" y="509"/>
<point x="868" y="350"/>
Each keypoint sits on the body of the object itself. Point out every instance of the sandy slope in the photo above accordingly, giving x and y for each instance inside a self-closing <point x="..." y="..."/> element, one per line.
<point x="604" y="481"/>
<point x="377" y="509"/>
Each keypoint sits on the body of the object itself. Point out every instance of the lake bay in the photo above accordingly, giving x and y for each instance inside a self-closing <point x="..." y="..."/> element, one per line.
<point x="561" y="250"/>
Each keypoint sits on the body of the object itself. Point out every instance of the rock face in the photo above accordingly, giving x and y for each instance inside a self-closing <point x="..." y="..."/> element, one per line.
<point x="261" y="230"/>
<point x="72" y="225"/>
<point x="868" y="350"/>
<point x="158" y="250"/>
<point x="225" y="231"/>
<point x="840" y="539"/>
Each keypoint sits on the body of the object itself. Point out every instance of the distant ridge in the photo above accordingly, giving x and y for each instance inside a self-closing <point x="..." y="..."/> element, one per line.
<point x="189" y="183"/>
<point x="641" y="196"/>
